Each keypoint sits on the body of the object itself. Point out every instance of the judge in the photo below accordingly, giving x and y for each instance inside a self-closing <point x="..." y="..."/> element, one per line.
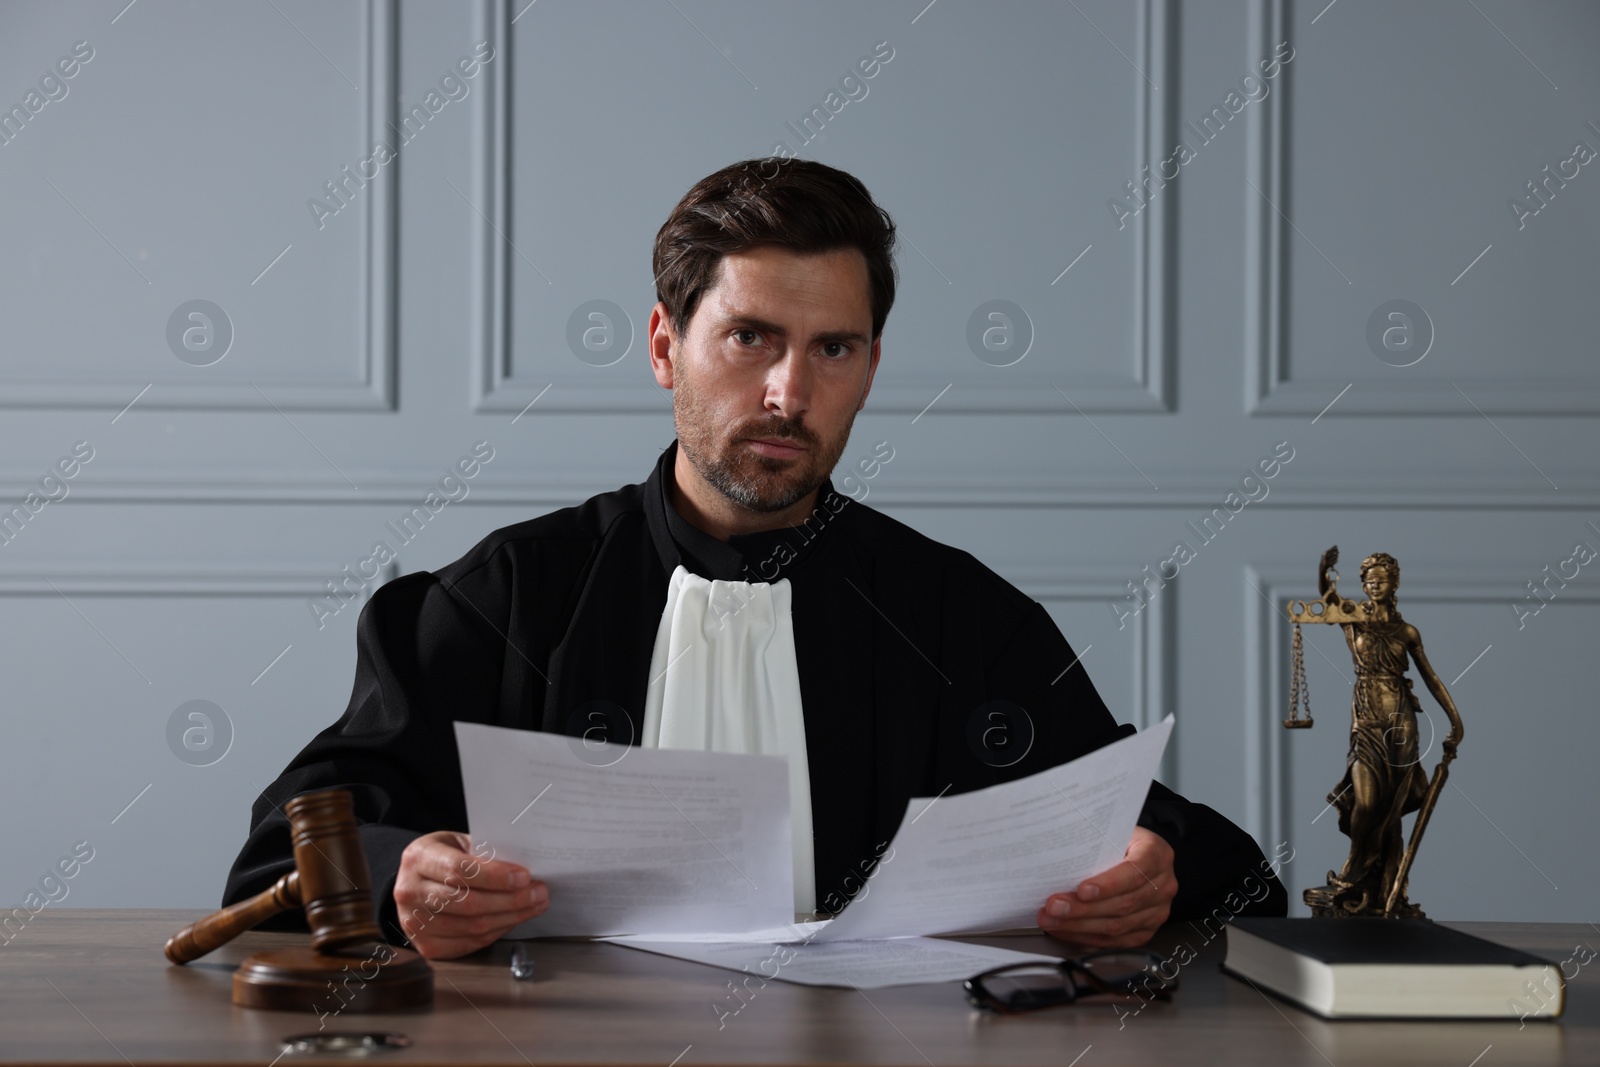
<point x="735" y="600"/>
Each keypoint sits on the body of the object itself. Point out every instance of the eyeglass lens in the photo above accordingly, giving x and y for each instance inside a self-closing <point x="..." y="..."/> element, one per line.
<point x="1120" y="968"/>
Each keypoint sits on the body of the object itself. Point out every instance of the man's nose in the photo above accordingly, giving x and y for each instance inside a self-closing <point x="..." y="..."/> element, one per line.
<point x="789" y="385"/>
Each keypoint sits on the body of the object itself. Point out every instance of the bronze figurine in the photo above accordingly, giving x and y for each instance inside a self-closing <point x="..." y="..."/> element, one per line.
<point x="1383" y="779"/>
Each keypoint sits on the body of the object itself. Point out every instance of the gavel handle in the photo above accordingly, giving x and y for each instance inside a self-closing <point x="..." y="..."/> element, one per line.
<point x="220" y="927"/>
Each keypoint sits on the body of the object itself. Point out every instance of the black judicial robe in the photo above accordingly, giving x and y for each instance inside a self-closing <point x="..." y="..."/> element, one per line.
<point x="904" y="646"/>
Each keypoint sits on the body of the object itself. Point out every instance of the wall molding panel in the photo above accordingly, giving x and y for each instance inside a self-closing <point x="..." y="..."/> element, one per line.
<point x="1022" y="492"/>
<point x="294" y="582"/>
<point x="375" y="388"/>
<point x="1269" y="387"/>
<point x="1148" y="388"/>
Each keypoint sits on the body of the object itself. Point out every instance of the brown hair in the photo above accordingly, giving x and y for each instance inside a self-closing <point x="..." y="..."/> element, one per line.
<point x="798" y="204"/>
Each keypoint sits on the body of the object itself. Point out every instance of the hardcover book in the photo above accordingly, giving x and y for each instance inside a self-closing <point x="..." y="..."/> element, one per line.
<point x="1396" y="968"/>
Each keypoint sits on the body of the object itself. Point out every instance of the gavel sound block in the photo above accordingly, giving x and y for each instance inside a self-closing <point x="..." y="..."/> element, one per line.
<point x="332" y="882"/>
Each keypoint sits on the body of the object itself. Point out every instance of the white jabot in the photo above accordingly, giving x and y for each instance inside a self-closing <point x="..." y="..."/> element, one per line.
<point x="723" y="678"/>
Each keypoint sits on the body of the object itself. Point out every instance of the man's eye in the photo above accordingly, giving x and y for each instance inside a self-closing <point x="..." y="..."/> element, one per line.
<point x="741" y="335"/>
<point x="843" y="349"/>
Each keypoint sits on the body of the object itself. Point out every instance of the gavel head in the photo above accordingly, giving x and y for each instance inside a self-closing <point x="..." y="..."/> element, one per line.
<point x="335" y="885"/>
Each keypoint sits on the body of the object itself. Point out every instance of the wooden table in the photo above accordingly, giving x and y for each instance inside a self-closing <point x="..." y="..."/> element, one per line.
<point x="91" y="986"/>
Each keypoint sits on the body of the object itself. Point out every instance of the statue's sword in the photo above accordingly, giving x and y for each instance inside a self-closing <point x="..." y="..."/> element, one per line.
<point x="1440" y="773"/>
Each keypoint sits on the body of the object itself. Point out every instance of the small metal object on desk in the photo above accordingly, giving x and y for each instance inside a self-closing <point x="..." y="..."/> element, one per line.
<point x="521" y="961"/>
<point x="344" y="1043"/>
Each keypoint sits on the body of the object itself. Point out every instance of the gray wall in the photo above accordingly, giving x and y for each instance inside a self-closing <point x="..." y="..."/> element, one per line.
<point x="1161" y="353"/>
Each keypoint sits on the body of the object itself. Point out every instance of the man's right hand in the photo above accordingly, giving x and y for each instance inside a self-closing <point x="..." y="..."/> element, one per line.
<point x="452" y="901"/>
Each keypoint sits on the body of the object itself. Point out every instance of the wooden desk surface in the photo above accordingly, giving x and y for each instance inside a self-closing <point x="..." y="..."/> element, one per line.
<point x="91" y="986"/>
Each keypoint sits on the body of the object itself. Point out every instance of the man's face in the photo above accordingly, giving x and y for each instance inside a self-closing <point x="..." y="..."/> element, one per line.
<point x="778" y="351"/>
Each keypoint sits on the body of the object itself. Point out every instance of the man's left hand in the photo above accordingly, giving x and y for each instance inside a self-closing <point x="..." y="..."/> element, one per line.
<point x="1120" y="907"/>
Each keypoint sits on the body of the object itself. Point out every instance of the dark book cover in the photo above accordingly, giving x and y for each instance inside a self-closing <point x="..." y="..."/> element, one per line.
<point x="1379" y="941"/>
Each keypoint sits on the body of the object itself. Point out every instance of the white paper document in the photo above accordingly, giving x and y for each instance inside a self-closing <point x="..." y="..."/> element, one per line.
<point x="687" y="853"/>
<point x="986" y="860"/>
<point x="856" y="964"/>
<point x="632" y="839"/>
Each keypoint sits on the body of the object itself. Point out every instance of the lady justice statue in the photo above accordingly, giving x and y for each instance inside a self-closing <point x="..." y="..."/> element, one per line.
<point x="1383" y="778"/>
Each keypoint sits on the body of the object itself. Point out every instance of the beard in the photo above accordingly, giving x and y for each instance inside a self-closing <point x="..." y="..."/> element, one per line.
<point x="758" y="483"/>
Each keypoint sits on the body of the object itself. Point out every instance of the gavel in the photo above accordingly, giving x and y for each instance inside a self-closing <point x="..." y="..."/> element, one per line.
<point x="332" y="882"/>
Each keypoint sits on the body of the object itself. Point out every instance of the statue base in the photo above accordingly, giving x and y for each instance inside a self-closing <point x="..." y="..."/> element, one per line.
<point x="1338" y="901"/>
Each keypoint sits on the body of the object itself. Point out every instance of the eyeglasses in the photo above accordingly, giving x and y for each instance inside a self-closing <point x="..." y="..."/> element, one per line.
<point x="1019" y="987"/>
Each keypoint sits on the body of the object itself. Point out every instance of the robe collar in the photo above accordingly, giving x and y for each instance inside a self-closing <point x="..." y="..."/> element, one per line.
<point x="763" y="556"/>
